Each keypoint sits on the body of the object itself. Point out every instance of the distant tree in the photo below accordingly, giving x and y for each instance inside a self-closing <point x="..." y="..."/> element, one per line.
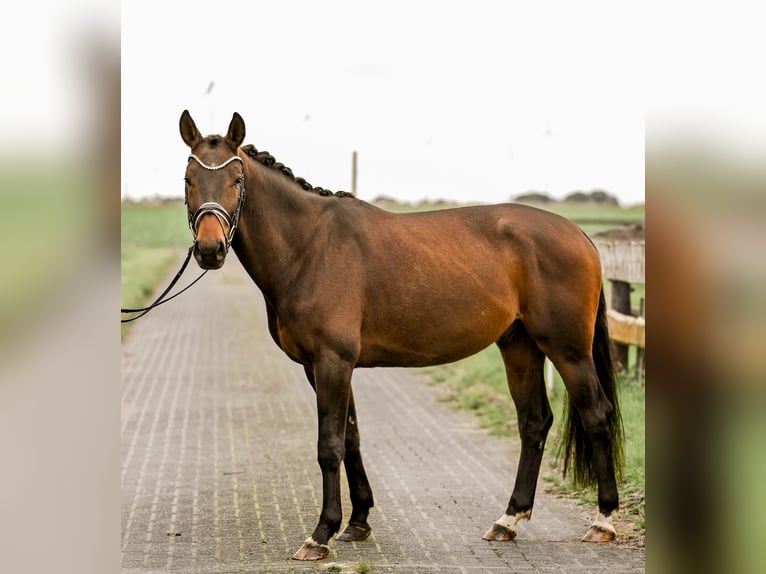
<point x="384" y="199"/>
<point x="603" y="197"/>
<point x="533" y="197"/>
<point x="598" y="196"/>
<point x="577" y="197"/>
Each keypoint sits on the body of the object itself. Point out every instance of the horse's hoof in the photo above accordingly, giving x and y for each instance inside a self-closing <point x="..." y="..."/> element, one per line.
<point x="499" y="532"/>
<point x="602" y="530"/>
<point x="599" y="534"/>
<point x="312" y="550"/>
<point x="354" y="533"/>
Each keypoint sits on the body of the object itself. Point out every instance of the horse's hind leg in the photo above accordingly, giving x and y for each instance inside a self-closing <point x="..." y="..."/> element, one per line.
<point x="359" y="487"/>
<point x="524" y="370"/>
<point x="573" y="333"/>
<point x="595" y="428"/>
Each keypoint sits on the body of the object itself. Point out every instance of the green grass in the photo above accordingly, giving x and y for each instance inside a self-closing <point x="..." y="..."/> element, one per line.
<point x="155" y="225"/>
<point x="592" y="215"/>
<point x="152" y="237"/>
<point x="362" y="567"/>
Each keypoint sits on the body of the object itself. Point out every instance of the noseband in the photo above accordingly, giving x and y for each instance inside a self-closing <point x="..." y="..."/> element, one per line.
<point x="216" y="208"/>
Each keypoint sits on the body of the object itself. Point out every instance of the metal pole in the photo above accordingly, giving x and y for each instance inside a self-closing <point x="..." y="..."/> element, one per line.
<point x="353" y="173"/>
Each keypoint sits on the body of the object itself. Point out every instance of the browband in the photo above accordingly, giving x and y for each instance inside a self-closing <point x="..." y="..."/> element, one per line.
<point x="215" y="167"/>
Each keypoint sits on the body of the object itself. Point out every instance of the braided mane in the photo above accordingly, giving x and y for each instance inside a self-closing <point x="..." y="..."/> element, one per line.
<point x="268" y="160"/>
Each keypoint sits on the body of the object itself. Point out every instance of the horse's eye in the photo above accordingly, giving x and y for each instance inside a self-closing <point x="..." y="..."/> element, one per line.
<point x="187" y="181"/>
<point x="238" y="181"/>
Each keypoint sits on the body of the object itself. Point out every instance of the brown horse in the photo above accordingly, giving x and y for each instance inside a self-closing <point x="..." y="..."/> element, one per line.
<point x="349" y="285"/>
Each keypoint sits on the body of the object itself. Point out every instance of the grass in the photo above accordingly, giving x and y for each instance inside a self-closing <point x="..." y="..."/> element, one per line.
<point x="362" y="567"/>
<point x="598" y="215"/>
<point x="152" y="235"/>
<point x="155" y="225"/>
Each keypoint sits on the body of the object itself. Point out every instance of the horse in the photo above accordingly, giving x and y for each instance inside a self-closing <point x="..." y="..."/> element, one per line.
<point x="349" y="285"/>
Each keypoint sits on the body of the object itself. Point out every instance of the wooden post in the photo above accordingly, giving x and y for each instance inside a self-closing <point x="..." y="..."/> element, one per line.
<point x="621" y="302"/>
<point x="353" y="173"/>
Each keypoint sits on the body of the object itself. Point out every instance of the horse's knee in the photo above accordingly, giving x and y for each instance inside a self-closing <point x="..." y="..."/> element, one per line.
<point x="533" y="433"/>
<point x="330" y="454"/>
<point x="595" y="420"/>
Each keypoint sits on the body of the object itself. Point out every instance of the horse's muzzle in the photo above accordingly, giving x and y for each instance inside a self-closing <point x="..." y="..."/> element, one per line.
<point x="210" y="254"/>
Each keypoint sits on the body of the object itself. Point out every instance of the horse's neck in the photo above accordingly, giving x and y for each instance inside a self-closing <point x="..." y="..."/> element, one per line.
<point x="277" y="221"/>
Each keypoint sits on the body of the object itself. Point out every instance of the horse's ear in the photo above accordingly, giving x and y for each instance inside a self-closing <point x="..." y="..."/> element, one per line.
<point x="236" y="134"/>
<point x="189" y="131"/>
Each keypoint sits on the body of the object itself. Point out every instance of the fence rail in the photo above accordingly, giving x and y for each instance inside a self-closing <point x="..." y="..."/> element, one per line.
<point x="626" y="329"/>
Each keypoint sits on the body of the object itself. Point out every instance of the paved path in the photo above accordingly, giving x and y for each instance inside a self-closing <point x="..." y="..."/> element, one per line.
<point x="219" y="448"/>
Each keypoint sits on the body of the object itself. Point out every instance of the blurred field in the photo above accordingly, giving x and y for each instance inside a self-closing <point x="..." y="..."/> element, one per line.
<point x="707" y="410"/>
<point x="48" y="219"/>
<point x="152" y="238"/>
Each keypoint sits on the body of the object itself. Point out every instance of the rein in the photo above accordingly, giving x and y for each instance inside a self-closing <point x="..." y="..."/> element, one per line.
<point x="209" y="207"/>
<point x="159" y="300"/>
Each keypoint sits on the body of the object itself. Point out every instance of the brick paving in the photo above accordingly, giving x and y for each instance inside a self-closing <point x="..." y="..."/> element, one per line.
<point x="219" y="467"/>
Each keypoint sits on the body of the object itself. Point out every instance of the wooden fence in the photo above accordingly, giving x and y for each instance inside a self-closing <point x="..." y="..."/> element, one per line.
<point x="623" y="263"/>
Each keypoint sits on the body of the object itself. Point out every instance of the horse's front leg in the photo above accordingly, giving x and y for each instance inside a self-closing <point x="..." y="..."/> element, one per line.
<point x="357" y="528"/>
<point x="359" y="488"/>
<point x="332" y="377"/>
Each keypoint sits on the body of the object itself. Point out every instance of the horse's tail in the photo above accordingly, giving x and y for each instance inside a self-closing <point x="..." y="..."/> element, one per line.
<point x="578" y="451"/>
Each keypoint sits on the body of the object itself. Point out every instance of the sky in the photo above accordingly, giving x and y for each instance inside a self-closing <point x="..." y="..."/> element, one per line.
<point x="476" y="102"/>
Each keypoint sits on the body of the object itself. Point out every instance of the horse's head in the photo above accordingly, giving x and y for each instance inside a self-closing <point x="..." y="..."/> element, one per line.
<point x="215" y="187"/>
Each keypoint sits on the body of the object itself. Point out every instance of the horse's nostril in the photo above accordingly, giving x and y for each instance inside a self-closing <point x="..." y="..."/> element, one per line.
<point x="210" y="253"/>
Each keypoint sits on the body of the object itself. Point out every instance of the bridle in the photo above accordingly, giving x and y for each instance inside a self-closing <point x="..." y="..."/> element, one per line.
<point x="216" y="208"/>
<point x="194" y="218"/>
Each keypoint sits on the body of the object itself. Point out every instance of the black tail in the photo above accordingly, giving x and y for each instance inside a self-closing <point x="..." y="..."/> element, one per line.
<point x="578" y="451"/>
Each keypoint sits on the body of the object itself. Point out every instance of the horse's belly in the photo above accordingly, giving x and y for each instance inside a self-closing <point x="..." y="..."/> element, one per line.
<point x="431" y="342"/>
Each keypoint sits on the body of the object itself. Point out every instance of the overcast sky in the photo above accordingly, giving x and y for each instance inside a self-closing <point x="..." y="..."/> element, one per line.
<point x="475" y="102"/>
